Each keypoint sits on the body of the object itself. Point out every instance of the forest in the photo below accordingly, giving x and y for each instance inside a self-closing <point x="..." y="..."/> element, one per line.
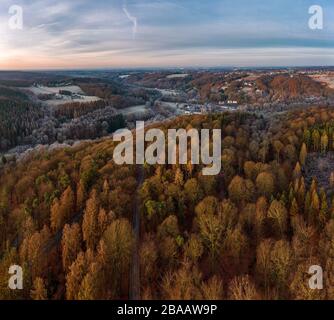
<point x="26" y="121"/>
<point x="292" y="87"/>
<point x="17" y="120"/>
<point x="112" y="93"/>
<point x="251" y="232"/>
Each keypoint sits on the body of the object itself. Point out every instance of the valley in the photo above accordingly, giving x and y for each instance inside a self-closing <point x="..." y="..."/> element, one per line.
<point x="106" y="101"/>
<point x="84" y="227"/>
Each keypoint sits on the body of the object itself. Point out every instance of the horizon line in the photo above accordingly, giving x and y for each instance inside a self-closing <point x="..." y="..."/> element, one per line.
<point x="169" y="68"/>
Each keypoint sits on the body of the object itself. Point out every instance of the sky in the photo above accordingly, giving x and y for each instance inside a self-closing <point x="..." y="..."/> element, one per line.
<point x="80" y="34"/>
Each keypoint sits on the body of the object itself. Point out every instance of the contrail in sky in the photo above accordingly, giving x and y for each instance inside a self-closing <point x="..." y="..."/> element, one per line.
<point x="131" y="18"/>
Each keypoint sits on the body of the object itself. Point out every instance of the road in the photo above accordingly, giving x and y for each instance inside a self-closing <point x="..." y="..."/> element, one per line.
<point x="134" y="290"/>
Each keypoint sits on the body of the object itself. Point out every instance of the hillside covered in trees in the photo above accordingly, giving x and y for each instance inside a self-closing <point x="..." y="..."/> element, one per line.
<point x="18" y="116"/>
<point x="251" y="232"/>
<point x="292" y="87"/>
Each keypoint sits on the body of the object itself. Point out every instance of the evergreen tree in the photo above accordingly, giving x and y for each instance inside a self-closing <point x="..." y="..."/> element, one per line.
<point x="303" y="154"/>
<point x="71" y="244"/>
<point x="39" y="291"/>
<point x="90" y="227"/>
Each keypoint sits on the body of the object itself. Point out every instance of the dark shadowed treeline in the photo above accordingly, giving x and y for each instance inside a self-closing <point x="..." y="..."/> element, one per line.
<point x="17" y="120"/>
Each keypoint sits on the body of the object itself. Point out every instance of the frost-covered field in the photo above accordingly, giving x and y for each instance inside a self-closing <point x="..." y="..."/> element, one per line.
<point x="50" y="90"/>
<point x="61" y="99"/>
<point x="177" y="75"/>
<point x="325" y="78"/>
<point x="82" y="99"/>
<point x="133" y="110"/>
